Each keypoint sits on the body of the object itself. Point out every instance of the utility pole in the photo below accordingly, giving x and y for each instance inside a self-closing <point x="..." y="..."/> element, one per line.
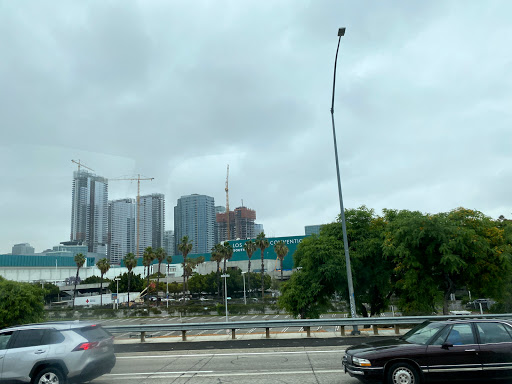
<point x="138" y="179"/>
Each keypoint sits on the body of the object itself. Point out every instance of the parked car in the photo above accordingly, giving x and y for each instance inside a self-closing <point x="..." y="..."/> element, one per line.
<point x="55" y="352"/>
<point x="453" y="349"/>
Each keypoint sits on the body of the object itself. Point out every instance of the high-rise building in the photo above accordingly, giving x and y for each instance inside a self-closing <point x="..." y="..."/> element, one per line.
<point x="312" y="229"/>
<point x="169" y="242"/>
<point x="152" y="222"/>
<point x="121" y="229"/>
<point x="22" y="249"/>
<point x="194" y="216"/>
<point x="258" y="228"/>
<point x="241" y="224"/>
<point x="89" y="210"/>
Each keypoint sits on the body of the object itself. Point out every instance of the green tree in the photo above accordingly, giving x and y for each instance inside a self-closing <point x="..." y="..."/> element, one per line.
<point x="103" y="265"/>
<point x="51" y="292"/>
<point x="217" y="256"/>
<point x="79" y="261"/>
<point x="250" y="248"/>
<point x="160" y="256"/>
<point x="281" y="251"/>
<point x="130" y="262"/>
<point x="147" y="259"/>
<point x="185" y="246"/>
<point x="373" y="274"/>
<point x="92" y="280"/>
<point x="262" y="244"/>
<point x="129" y="282"/>
<point x="321" y="273"/>
<point x="20" y="303"/>
<point x="436" y="254"/>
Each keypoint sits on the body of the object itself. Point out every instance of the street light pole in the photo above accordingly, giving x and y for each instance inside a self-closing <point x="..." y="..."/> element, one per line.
<point x="245" y="297"/>
<point x="341" y="32"/>
<point x="226" y="294"/>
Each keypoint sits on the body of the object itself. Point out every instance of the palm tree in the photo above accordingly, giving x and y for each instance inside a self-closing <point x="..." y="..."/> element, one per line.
<point x="281" y="251"/>
<point x="79" y="261"/>
<point x="184" y="247"/>
<point x="227" y="253"/>
<point x="160" y="255"/>
<point x="217" y="256"/>
<point x="250" y="248"/>
<point x="147" y="259"/>
<point x="130" y="262"/>
<point x="262" y="243"/>
<point x="103" y="265"/>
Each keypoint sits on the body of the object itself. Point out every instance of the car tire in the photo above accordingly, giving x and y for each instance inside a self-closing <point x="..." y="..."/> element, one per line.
<point x="51" y="375"/>
<point x="403" y="373"/>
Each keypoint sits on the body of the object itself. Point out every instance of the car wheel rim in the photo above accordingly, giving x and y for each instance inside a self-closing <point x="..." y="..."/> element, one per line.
<point x="403" y="376"/>
<point x="49" y="378"/>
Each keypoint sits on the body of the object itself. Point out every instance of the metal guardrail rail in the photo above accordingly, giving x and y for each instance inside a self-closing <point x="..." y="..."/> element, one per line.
<point x="299" y="323"/>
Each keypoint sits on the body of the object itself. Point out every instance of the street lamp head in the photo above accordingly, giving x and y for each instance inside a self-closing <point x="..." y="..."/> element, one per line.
<point x="243" y="273"/>
<point x="341" y="32"/>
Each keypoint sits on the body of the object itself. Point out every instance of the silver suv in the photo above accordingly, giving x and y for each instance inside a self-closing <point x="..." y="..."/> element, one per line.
<point x="57" y="353"/>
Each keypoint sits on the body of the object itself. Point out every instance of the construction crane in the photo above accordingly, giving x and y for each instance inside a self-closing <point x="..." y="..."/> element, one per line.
<point x="139" y="179"/>
<point x="81" y="165"/>
<point x="227" y="204"/>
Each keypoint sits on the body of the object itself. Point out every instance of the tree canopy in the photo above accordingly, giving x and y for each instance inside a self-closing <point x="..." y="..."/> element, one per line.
<point x="420" y="258"/>
<point x="20" y="303"/>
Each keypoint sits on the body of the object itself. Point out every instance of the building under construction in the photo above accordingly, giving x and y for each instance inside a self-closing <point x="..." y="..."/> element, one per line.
<point x="241" y="224"/>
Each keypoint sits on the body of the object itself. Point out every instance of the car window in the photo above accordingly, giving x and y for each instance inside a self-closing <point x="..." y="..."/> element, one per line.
<point x="28" y="338"/>
<point x="423" y="333"/>
<point x="493" y="333"/>
<point x="441" y="337"/>
<point x="4" y="339"/>
<point x="52" y="337"/>
<point x="93" y="333"/>
<point x="461" y="334"/>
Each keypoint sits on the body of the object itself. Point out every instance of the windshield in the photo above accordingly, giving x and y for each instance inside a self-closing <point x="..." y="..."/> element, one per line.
<point x="422" y="333"/>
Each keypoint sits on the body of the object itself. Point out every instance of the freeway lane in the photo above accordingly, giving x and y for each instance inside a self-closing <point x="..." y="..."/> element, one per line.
<point x="287" y="365"/>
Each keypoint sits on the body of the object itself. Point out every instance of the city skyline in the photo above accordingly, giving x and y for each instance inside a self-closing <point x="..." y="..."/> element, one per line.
<point x="422" y="107"/>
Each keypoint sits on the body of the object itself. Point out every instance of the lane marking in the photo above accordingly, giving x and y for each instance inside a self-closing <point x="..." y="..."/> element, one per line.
<point x="164" y="375"/>
<point x="230" y="354"/>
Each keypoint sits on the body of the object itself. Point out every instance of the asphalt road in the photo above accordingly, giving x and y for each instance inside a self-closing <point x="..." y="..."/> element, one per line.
<point x="284" y="365"/>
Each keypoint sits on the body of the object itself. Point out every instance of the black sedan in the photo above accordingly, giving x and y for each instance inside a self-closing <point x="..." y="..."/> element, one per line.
<point x="437" y="350"/>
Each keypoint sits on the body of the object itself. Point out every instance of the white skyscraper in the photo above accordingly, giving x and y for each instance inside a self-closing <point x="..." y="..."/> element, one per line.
<point x="89" y="210"/>
<point x="121" y="229"/>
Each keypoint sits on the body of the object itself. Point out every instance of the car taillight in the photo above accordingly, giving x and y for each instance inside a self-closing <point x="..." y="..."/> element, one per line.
<point x="85" y="346"/>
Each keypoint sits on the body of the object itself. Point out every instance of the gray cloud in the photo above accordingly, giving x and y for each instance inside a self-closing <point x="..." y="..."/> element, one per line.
<point x="176" y="91"/>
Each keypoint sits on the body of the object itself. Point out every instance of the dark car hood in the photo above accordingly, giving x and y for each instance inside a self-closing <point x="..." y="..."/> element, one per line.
<point x="381" y="346"/>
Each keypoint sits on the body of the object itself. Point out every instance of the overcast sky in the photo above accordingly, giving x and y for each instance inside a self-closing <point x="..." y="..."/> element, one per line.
<point x="176" y="90"/>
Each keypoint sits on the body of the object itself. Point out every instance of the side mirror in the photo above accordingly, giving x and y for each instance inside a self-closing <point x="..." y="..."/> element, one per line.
<point x="446" y="345"/>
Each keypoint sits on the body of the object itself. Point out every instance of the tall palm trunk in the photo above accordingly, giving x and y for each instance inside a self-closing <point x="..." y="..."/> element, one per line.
<point x="184" y="277"/>
<point x="262" y="276"/>
<point x="218" y="278"/>
<point x="282" y="270"/>
<point x="158" y="284"/>
<point x="129" y="290"/>
<point x="249" y="276"/>
<point x="101" y="291"/>
<point x="74" y="290"/>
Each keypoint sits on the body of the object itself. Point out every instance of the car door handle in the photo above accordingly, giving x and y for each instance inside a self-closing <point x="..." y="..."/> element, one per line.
<point x="470" y="350"/>
<point x="39" y="351"/>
